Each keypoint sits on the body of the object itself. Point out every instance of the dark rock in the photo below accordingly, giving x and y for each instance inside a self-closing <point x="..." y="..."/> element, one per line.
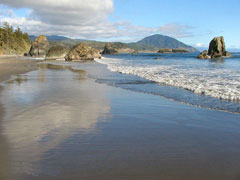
<point x="56" y="52"/>
<point x="109" y="50"/>
<point x="165" y="50"/>
<point x="227" y="54"/>
<point x="217" y="48"/>
<point x="134" y="52"/>
<point x="204" y="55"/>
<point x="82" y="52"/>
<point x="180" y="51"/>
<point x="39" y="47"/>
<point x="158" y="58"/>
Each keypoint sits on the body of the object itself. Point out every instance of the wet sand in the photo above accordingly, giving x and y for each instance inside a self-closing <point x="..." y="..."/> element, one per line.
<point x="10" y="65"/>
<point x="60" y="124"/>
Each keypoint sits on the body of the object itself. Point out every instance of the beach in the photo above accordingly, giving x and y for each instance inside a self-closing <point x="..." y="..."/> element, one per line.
<point x="58" y="122"/>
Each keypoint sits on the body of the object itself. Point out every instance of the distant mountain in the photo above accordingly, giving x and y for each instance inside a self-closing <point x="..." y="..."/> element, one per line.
<point x="50" y="38"/>
<point x="152" y="43"/>
<point x="157" y="41"/>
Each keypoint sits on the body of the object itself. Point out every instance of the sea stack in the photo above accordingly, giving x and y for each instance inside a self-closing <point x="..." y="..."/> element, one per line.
<point x="216" y="49"/>
<point x="82" y="52"/>
<point x="39" y="47"/>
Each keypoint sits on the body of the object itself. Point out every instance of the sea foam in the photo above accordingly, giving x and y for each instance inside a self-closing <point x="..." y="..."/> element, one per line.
<point x="216" y="83"/>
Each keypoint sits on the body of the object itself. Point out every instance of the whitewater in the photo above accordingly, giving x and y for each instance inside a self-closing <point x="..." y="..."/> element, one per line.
<point x="218" y="79"/>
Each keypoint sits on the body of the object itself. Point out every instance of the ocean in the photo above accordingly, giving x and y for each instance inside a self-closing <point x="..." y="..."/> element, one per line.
<point x="213" y="84"/>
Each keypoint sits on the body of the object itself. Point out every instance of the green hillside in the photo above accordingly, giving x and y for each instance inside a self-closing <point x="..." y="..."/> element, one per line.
<point x="13" y="42"/>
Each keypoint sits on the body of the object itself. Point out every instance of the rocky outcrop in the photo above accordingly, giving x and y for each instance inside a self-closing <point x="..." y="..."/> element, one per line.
<point x="39" y="47"/>
<point x="165" y="50"/>
<point x="56" y="52"/>
<point x="178" y="50"/>
<point x="204" y="55"/>
<point x="134" y="52"/>
<point x="216" y="49"/>
<point x="109" y="50"/>
<point x="82" y="52"/>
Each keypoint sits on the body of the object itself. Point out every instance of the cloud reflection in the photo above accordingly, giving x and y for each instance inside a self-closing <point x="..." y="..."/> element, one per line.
<point x="58" y="108"/>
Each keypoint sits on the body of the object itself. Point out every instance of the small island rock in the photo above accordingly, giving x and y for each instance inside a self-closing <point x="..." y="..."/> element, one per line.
<point x="82" y="52"/>
<point x="165" y="50"/>
<point x="134" y="52"/>
<point x="216" y="49"/>
<point x="178" y="50"/>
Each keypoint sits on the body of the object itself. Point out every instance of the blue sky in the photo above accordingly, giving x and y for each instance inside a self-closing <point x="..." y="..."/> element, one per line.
<point x="193" y="22"/>
<point x="205" y="18"/>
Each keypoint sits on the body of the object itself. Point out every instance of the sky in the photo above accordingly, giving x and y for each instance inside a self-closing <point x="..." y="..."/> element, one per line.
<point x="192" y="22"/>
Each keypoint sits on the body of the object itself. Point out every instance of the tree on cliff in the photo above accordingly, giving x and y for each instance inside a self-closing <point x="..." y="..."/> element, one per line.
<point x="13" y="41"/>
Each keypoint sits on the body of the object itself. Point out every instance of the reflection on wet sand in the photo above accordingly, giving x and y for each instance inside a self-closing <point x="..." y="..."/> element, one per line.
<point x="44" y="110"/>
<point x="4" y="157"/>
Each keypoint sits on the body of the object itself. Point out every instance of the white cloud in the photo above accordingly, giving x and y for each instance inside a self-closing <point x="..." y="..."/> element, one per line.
<point x="86" y="19"/>
<point x="201" y="45"/>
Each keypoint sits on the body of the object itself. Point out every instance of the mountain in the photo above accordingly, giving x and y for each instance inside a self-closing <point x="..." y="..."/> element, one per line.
<point x="157" y="41"/>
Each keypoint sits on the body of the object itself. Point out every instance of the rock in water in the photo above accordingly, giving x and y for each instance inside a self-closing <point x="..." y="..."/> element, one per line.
<point x="134" y="52"/>
<point x="179" y="50"/>
<point x="109" y="50"/>
<point x="204" y="55"/>
<point x="82" y="52"/>
<point x="165" y="50"/>
<point x="56" y="52"/>
<point x="39" y="47"/>
<point x="216" y="49"/>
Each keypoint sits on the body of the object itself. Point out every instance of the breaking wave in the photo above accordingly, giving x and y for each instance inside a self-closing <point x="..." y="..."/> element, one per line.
<point x="217" y="83"/>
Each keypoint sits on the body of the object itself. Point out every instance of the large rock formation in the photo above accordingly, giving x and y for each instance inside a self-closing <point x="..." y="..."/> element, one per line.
<point x="82" y="52"/>
<point x="39" y="47"/>
<point x="109" y="50"/>
<point x="216" y="49"/>
<point x="176" y="50"/>
<point x="56" y="52"/>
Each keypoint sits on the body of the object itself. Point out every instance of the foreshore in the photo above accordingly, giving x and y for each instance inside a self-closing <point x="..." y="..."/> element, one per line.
<point x="60" y="124"/>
